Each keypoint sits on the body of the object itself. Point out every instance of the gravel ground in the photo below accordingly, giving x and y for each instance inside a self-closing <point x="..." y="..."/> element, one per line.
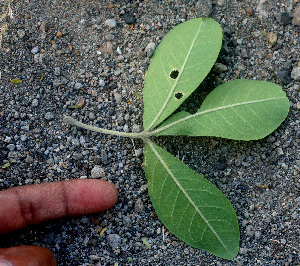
<point x="94" y="53"/>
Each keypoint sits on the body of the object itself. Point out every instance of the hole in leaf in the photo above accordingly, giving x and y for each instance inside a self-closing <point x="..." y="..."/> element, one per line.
<point x="174" y="74"/>
<point x="178" y="95"/>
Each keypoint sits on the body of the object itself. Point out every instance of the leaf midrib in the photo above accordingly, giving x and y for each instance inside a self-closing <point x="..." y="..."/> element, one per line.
<point x="149" y="142"/>
<point x="176" y="81"/>
<point x="211" y="110"/>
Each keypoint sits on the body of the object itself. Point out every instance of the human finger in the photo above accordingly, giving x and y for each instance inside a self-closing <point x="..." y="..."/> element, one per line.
<point x="32" y="204"/>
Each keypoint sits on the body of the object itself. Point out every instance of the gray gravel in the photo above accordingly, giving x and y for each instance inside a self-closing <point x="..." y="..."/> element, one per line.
<point x="68" y="53"/>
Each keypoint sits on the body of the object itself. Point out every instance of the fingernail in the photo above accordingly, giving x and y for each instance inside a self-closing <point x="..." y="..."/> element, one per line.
<point x="5" y="263"/>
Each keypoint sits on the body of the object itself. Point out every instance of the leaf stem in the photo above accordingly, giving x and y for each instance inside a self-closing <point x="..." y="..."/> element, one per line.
<point x="71" y="121"/>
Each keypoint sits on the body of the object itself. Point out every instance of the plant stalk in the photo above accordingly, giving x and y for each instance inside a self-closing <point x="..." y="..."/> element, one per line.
<point x="71" y="121"/>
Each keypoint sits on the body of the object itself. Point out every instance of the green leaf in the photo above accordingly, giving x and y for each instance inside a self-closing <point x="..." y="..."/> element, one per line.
<point x="190" y="206"/>
<point x="180" y="63"/>
<point x="6" y="165"/>
<point x="76" y="106"/>
<point x="146" y="243"/>
<point x="239" y="109"/>
<point x="15" y="81"/>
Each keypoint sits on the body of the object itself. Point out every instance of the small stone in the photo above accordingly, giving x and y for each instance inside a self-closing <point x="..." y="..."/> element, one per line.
<point x="280" y="151"/>
<point x="150" y="48"/>
<point x="295" y="75"/>
<point x="38" y="58"/>
<point x="57" y="71"/>
<point x="249" y="11"/>
<point x="119" y="51"/>
<point x="138" y="206"/>
<point x="272" y="38"/>
<point x="221" y="2"/>
<point x="97" y="172"/>
<point x="77" y="156"/>
<point x="136" y="128"/>
<point x="109" y="48"/>
<point x="250" y="230"/>
<point x="118" y="97"/>
<point x="78" y="86"/>
<point x="23" y="138"/>
<point x="101" y="83"/>
<point x="114" y="240"/>
<point x="49" y="116"/>
<point x="159" y="11"/>
<point x="220" y="68"/>
<point x="284" y="18"/>
<point x="257" y="234"/>
<point x="7" y="139"/>
<point x="244" y="53"/>
<point x="59" y="34"/>
<point x="129" y="18"/>
<point x="21" y="33"/>
<point x="117" y="72"/>
<point x="11" y="147"/>
<point x="283" y="76"/>
<point x="296" y="16"/>
<point x="29" y="159"/>
<point x="110" y="23"/>
<point x="110" y="37"/>
<point x="204" y="8"/>
<point x="34" y="103"/>
<point x="43" y="26"/>
<point x="35" y="50"/>
<point x="92" y="116"/>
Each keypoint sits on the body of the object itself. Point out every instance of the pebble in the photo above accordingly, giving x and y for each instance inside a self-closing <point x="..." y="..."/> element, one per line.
<point x="129" y="18"/>
<point x="220" y="68"/>
<point x="159" y="11"/>
<point x="284" y="18"/>
<point x="78" y="85"/>
<point x="283" y="76"/>
<point x="11" y="147"/>
<point x="35" y="50"/>
<point x="249" y="11"/>
<point x="244" y="53"/>
<point x="97" y="172"/>
<point x="150" y="48"/>
<point x="23" y="138"/>
<point x="114" y="241"/>
<point x="34" y="103"/>
<point x="57" y="71"/>
<point x="110" y="37"/>
<point x="29" y="159"/>
<point x="110" y="23"/>
<point x="101" y="83"/>
<point x="272" y="38"/>
<point x="221" y="2"/>
<point x="280" y="151"/>
<point x="92" y="116"/>
<point x="138" y="206"/>
<point x="118" y="97"/>
<point x="21" y="33"/>
<point x="204" y="8"/>
<point x="49" y="116"/>
<point x="296" y="16"/>
<point x="77" y="156"/>
<point x="43" y="26"/>
<point x="119" y="51"/>
<point x="249" y="230"/>
<point x="295" y="75"/>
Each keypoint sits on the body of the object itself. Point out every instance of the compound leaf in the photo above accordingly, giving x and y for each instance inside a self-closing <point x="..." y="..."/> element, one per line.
<point x="239" y="109"/>
<point x="190" y="206"/>
<point x="180" y="63"/>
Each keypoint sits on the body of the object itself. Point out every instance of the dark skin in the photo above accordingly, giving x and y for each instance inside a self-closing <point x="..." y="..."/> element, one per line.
<point x="32" y="204"/>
